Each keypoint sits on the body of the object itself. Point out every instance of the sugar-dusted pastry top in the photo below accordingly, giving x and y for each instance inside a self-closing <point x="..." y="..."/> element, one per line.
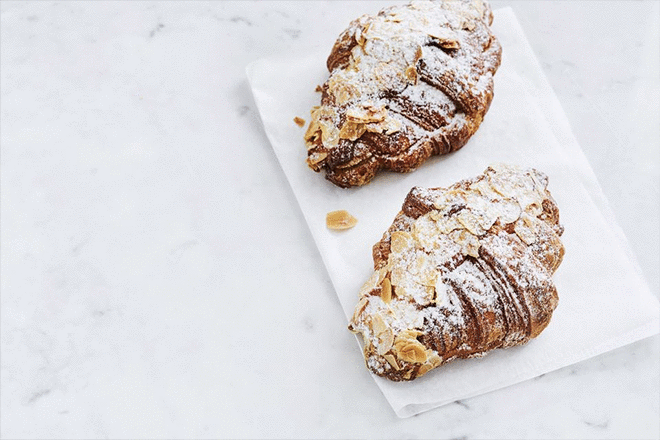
<point x="461" y="271"/>
<point x="411" y="82"/>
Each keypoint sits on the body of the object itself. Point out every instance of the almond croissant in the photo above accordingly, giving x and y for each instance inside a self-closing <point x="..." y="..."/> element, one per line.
<point x="411" y="82"/>
<point x="461" y="271"/>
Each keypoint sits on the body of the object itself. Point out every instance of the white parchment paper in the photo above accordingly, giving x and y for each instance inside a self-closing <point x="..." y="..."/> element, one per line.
<point x="604" y="302"/>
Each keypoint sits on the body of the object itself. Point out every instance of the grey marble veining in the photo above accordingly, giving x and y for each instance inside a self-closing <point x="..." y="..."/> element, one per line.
<point x="158" y="279"/>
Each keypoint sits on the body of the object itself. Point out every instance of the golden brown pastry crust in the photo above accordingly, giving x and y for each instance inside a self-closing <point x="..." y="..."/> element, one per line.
<point x="411" y="82"/>
<point x="460" y="272"/>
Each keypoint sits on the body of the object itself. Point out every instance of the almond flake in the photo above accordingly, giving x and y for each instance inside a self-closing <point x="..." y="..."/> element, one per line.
<point x="386" y="291"/>
<point x="315" y="158"/>
<point x="400" y="241"/>
<point x="392" y="361"/>
<point x="352" y="130"/>
<point x="340" y="220"/>
<point x="411" y="74"/>
<point x="413" y="352"/>
<point x="524" y="229"/>
<point x="377" y="324"/>
<point x="423" y="370"/>
<point x="386" y="340"/>
<point x="299" y="121"/>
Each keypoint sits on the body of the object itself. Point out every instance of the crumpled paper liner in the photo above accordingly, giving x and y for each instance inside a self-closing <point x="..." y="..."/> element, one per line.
<point x="604" y="302"/>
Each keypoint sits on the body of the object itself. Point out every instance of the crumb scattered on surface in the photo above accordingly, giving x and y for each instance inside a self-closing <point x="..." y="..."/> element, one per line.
<point x="340" y="220"/>
<point x="299" y="121"/>
<point x="318" y="89"/>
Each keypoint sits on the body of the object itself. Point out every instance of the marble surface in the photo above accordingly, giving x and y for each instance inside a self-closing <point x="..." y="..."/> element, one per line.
<point x="158" y="279"/>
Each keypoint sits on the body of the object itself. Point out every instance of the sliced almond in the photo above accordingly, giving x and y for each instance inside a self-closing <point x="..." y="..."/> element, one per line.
<point x="398" y="276"/>
<point x="409" y="334"/>
<point x="509" y="210"/>
<point x="378" y="325"/>
<point x="471" y="222"/>
<point x="340" y="220"/>
<point x="423" y="370"/>
<point x="315" y="158"/>
<point x="524" y="228"/>
<point x="368" y="113"/>
<point x="444" y="38"/>
<point x="413" y="352"/>
<point x="362" y="304"/>
<point x="329" y="134"/>
<point x="400" y="241"/>
<point x="391" y="125"/>
<point x="434" y="360"/>
<point x="447" y="224"/>
<point x="411" y="74"/>
<point x="386" y="340"/>
<point x="352" y="130"/>
<point x="359" y="37"/>
<point x="392" y="361"/>
<point x="299" y="121"/>
<point x="469" y="243"/>
<point x="386" y="291"/>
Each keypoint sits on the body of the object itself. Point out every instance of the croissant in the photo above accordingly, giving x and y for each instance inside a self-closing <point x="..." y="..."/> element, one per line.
<point x="461" y="271"/>
<point x="411" y="82"/>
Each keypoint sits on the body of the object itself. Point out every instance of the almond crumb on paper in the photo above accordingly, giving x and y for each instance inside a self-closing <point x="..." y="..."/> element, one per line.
<point x="318" y="89"/>
<point x="299" y="121"/>
<point x="340" y="220"/>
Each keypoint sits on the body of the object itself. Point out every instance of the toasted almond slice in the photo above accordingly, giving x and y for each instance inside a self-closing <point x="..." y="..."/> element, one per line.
<point x="352" y="130"/>
<point x="423" y="370"/>
<point x="509" y="210"/>
<point x="468" y="242"/>
<point x="398" y="276"/>
<point x="400" y="241"/>
<point x="386" y="291"/>
<point x="471" y="222"/>
<point x="378" y="325"/>
<point x="392" y="361"/>
<point x="340" y="220"/>
<point x="410" y="334"/>
<point x="362" y="304"/>
<point x="413" y="352"/>
<point x="386" y="342"/>
<point x="524" y="228"/>
<point x="444" y="38"/>
<point x="411" y="74"/>
<point x="315" y="158"/>
<point x="448" y="224"/>
<point x="434" y="360"/>
<point x="299" y="121"/>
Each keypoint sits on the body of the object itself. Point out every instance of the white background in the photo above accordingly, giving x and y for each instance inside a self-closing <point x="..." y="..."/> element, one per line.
<point x="158" y="278"/>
